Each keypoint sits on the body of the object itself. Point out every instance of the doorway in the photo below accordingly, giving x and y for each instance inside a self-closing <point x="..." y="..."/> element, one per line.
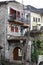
<point x="17" y="53"/>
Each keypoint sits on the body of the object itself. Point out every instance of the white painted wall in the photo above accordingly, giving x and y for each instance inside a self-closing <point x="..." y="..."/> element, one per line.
<point x="36" y="15"/>
<point x="42" y="20"/>
<point x="40" y="59"/>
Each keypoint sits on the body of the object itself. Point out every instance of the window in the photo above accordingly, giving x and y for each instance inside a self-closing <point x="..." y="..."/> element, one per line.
<point x="11" y="11"/>
<point x="18" y="14"/>
<point x="33" y="19"/>
<point x="12" y="28"/>
<point x="38" y="19"/>
<point x="34" y="27"/>
<point x="39" y="24"/>
<point x="16" y="29"/>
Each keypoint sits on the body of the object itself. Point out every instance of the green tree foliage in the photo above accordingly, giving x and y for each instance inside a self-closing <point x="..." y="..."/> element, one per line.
<point x="38" y="42"/>
<point x="34" y="55"/>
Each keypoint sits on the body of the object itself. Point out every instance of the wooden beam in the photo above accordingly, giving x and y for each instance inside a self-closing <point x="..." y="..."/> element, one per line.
<point x="16" y="37"/>
<point x="19" y="23"/>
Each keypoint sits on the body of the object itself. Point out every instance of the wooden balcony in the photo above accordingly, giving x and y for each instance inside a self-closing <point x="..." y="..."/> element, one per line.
<point x="35" y="33"/>
<point x="10" y="37"/>
<point x="18" y="21"/>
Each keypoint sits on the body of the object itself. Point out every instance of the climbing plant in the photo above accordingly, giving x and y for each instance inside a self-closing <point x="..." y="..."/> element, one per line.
<point x="34" y="52"/>
<point x="38" y="42"/>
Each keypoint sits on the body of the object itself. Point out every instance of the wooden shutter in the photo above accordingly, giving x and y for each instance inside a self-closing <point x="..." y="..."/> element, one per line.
<point x="16" y="29"/>
<point x="12" y="28"/>
<point x="17" y="14"/>
<point x="11" y="11"/>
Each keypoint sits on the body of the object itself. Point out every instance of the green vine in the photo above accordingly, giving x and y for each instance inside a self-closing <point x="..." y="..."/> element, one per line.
<point x="34" y="55"/>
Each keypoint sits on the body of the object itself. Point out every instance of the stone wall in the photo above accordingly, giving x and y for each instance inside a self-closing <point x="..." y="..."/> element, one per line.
<point x="3" y="20"/>
<point x="12" y="46"/>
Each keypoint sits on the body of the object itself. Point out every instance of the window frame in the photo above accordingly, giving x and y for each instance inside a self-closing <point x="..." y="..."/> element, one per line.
<point x="12" y="30"/>
<point x="33" y="19"/>
<point x="16" y="29"/>
<point x="38" y="19"/>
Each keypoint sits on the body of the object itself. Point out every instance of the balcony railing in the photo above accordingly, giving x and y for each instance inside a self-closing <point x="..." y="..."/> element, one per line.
<point x="16" y="37"/>
<point x="36" y="28"/>
<point x="19" y="33"/>
<point x="22" y="19"/>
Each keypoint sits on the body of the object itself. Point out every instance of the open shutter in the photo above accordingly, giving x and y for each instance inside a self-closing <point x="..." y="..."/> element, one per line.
<point x="16" y="29"/>
<point x="11" y="11"/>
<point x="17" y="14"/>
<point x="12" y="28"/>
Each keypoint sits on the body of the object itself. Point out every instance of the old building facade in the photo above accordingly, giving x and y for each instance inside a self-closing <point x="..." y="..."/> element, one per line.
<point x="3" y="16"/>
<point x="13" y="27"/>
<point x="15" y="21"/>
<point x="36" y="17"/>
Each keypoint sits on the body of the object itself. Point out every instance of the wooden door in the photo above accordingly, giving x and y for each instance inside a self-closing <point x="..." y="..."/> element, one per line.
<point x="15" y="54"/>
